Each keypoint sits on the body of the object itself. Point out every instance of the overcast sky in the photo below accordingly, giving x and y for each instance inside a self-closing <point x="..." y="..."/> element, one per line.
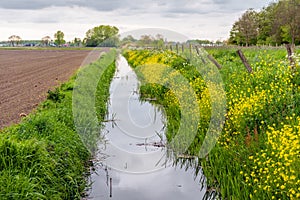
<point x="202" y="19"/>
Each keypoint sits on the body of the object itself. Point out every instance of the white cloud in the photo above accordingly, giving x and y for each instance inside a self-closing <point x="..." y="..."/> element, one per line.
<point x="33" y="19"/>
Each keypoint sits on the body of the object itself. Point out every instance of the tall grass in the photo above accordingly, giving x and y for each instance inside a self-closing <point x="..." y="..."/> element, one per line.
<point x="257" y="155"/>
<point x="43" y="157"/>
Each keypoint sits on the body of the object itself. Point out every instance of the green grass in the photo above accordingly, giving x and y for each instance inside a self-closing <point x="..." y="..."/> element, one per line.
<point x="257" y="155"/>
<point x="44" y="157"/>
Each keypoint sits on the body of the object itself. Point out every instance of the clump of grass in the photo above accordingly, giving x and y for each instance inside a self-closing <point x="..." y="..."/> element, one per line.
<point x="43" y="157"/>
<point x="55" y="95"/>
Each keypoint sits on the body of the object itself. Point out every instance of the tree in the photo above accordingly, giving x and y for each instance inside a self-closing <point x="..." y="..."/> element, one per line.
<point x="159" y="40"/>
<point x="277" y="23"/>
<point x="267" y="33"/>
<point x="288" y="14"/>
<point x="77" y="41"/>
<point x="146" y="40"/>
<point x="46" y="40"/>
<point x="246" y="28"/>
<point x="235" y="35"/>
<point x="128" y="39"/>
<point x="103" y="35"/>
<point x="59" y="38"/>
<point x="14" y="39"/>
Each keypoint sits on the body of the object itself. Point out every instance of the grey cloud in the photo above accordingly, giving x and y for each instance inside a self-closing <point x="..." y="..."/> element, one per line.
<point x="46" y="20"/>
<point x="39" y="4"/>
<point x="238" y="5"/>
<point x="202" y="6"/>
<point x="222" y="2"/>
<point x="26" y="4"/>
<point x="141" y="6"/>
<point x="189" y="7"/>
<point x="189" y="11"/>
<point x="101" y="5"/>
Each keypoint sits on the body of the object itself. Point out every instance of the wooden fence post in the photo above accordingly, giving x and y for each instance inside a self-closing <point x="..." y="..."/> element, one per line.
<point x="244" y="60"/>
<point x="190" y="51"/>
<point x="110" y="188"/>
<point x="289" y="50"/>
<point x="198" y="52"/>
<point x="213" y="60"/>
<point x="290" y="53"/>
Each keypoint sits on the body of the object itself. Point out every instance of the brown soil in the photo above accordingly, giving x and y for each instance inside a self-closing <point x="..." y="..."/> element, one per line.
<point x="27" y="75"/>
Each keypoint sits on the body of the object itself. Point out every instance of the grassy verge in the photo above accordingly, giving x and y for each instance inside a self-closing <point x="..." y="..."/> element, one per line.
<point x="257" y="155"/>
<point x="43" y="157"/>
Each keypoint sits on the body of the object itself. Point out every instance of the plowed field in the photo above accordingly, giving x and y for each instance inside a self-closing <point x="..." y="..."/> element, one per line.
<point x="27" y="75"/>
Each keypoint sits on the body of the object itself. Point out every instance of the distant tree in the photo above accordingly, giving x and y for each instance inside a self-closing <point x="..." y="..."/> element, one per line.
<point x="77" y="41"/>
<point x="219" y="42"/>
<point x="128" y="39"/>
<point x="59" y="38"/>
<point x="110" y="42"/>
<point x="159" y="40"/>
<point x="84" y="41"/>
<point x="14" y="40"/>
<point x="203" y="42"/>
<point x="146" y="40"/>
<point x="245" y="30"/>
<point x="46" y="40"/>
<point x="103" y="35"/>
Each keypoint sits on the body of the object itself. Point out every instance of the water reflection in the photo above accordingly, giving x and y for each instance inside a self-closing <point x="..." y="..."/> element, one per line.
<point x="132" y="159"/>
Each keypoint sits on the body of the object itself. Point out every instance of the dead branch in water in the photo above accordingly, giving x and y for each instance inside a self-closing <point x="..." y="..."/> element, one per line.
<point x="154" y="144"/>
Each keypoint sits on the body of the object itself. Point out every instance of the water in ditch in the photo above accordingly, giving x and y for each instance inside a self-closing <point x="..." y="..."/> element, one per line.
<point x="132" y="162"/>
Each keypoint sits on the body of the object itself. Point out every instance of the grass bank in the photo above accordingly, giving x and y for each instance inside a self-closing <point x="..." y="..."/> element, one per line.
<point x="44" y="157"/>
<point x="257" y="154"/>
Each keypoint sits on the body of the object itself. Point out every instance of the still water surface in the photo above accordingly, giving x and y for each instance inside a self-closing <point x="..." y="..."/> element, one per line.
<point x="132" y="161"/>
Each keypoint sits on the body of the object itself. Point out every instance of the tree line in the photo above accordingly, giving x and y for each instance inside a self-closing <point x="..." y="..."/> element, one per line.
<point x="278" y="23"/>
<point x="99" y="36"/>
<point x="103" y="35"/>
